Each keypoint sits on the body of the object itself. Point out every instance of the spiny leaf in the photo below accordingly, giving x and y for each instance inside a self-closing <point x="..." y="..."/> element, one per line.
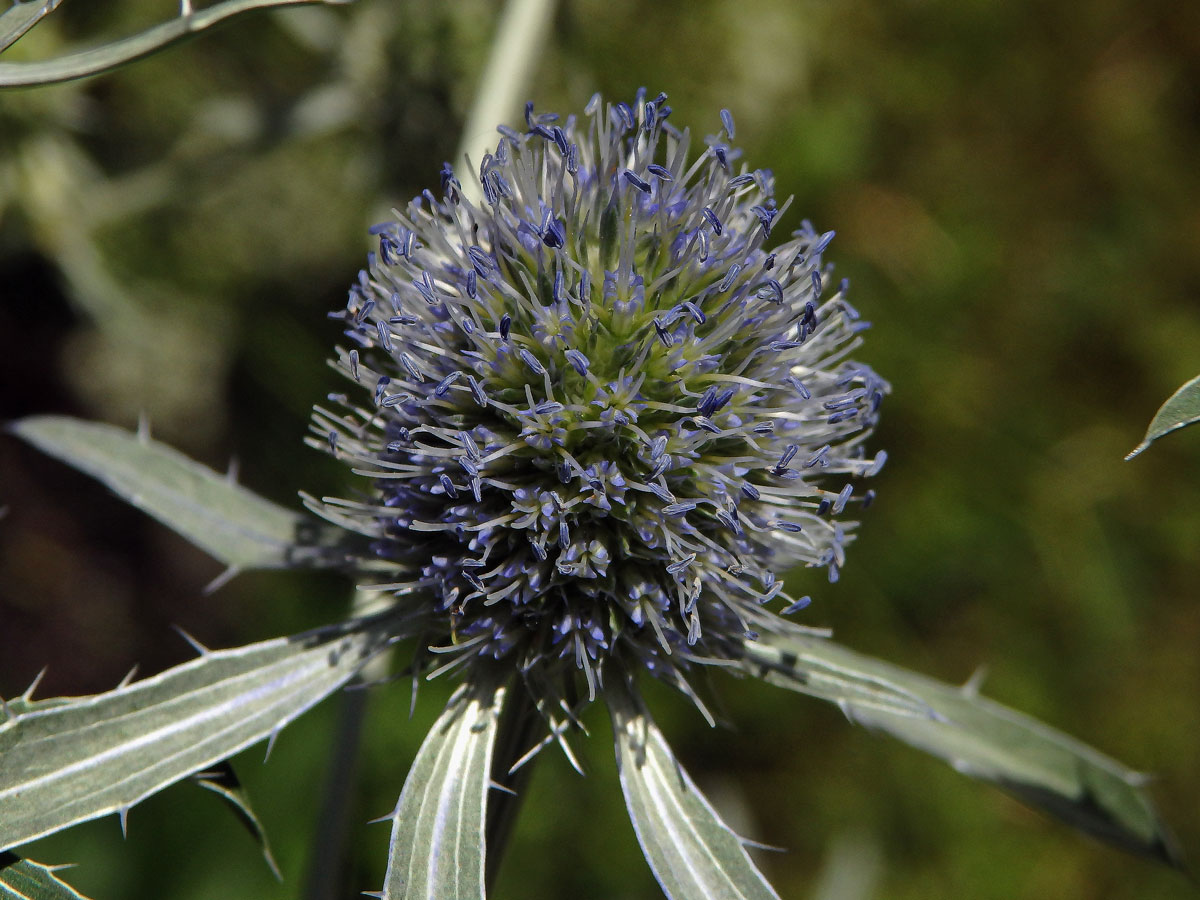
<point x="66" y="762"/>
<point x="694" y="855"/>
<point x="24" y="879"/>
<point x="18" y="19"/>
<point x="979" y="737"/>
<point x="233" y="524"/>
<point x="109" y="56"/>
<point x="223" y="781"/>
<point x="437" y="850"/>
<point x="1182" y="408"/>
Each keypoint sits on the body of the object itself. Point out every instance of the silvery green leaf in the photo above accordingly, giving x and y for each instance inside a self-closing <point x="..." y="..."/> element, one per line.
<point x="22" y="16"/>
<point x="222" y="780"/>
<point x="233" y="524"/>
<point x="1182" y="408"/>
<point x="979" y="737"/>
<point x="188" y="24"/>
<point x="694" y="855"/>
<point x="66" y="762"/>
<point x="437" y="849"/>
<point x="24" y="879"/>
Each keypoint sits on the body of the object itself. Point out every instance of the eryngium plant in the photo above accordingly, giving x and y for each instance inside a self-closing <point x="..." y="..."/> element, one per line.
<point x="599" y="410"/>
<point x="596" y="413"/>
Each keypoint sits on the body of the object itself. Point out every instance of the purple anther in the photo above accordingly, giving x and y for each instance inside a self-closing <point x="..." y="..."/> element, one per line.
<point x="532" y="361"/>
<point x="443" y="386"/>
<point x="480" y="261"/>
<point x="711" y="218"/>
<point x="578" y="361"/>
<point x="800" y="604"/>
<point x="477" y="390"/>
<point x="729" y="278"/>
<point x="820" y="457"/>
<point x="468" y="444"/>
<point x="554" y="235"/>
<point x="770" y="290"/>
<point x="842" y="416"/>
<point x="788" y="455"/>
<point x="800" y="387"/>
<point x="766" y="216"/>
<point x="385" y="336"/>
<point x="425" y="287"/>
<point x="727" y="122"/>
<point x="560" y="139"/>
<point x="675" y="510"/>
<point x="640" y="184"/>
<point x="822" y="243"/>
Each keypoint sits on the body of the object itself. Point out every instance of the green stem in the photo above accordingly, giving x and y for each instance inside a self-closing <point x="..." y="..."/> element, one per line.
<point x="516" y="50"/>
<point x="520" y="726"/>
<point x="117" y="53"/>
<point x="328" y="855"/>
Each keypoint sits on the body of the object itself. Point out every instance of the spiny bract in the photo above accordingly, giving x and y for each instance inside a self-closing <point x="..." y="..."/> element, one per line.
<point x="600" y="412"/>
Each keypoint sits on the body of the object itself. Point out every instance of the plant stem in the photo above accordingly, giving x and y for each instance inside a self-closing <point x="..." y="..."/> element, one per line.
<point x="516" y="48"/>
<point x="520" y="725"/>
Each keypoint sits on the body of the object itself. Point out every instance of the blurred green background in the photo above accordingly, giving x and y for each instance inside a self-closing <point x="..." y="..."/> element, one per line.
<point x="1016" y="191"/>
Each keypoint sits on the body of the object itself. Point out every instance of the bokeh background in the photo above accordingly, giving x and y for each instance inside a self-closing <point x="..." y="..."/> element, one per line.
<point x="1016" y="192"/>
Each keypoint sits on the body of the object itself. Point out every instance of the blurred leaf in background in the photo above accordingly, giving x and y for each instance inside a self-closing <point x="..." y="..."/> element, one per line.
<point x="1018" y="209"/>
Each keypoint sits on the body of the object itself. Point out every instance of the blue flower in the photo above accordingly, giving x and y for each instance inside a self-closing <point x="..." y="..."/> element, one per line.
<point x="604" y="408"/>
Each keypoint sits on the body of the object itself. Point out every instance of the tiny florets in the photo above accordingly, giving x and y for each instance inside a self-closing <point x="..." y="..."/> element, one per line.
<point x="600" y="415"/>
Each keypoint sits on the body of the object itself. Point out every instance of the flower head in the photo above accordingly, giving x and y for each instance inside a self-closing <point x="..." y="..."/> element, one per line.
<point x="605" y="407"/>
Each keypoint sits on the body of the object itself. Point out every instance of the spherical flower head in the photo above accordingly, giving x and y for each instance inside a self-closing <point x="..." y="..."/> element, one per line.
<point x="602" y="410"/>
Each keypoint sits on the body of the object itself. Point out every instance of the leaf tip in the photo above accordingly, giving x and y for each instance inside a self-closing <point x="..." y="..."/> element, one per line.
<point x="1136" y="450"/>
<point x="221" y="580"/>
